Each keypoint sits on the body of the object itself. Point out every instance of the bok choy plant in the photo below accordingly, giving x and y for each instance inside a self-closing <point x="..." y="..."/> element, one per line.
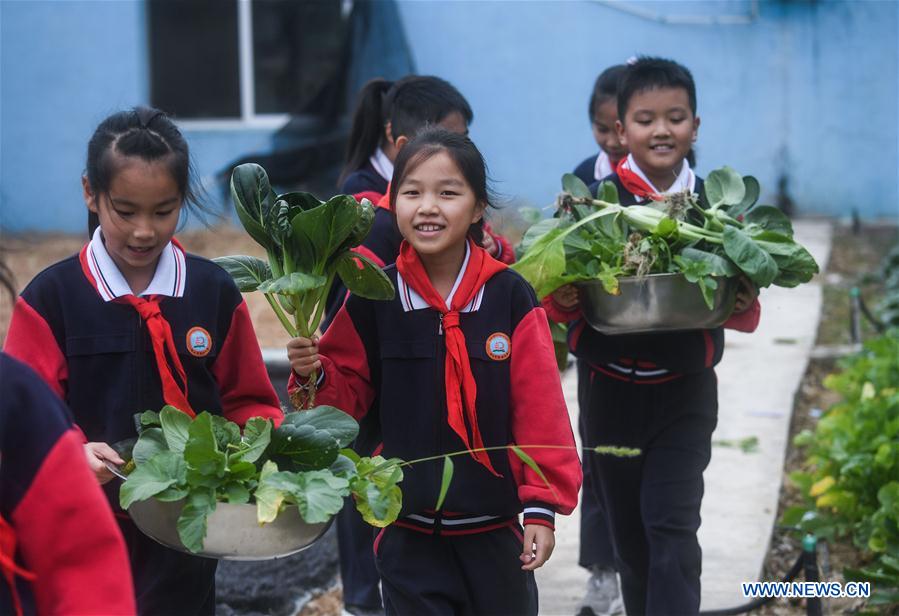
<point x="308" y="243"/>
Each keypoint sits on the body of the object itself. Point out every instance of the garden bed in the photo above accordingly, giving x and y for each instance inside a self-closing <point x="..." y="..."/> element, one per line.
<point x="852" y="257"/>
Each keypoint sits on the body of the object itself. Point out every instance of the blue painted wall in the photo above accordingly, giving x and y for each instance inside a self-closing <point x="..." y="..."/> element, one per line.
<point x="806" y="88"/>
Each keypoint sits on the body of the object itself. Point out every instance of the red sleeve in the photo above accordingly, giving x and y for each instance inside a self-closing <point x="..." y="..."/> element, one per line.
<point x="559" y="314"/>
<point x="246" y="390"/>
<point x="346" y="371"/>
<point x="748" y="320"/>
<point x="31" y="341"/>
<point x="506" y="252"/>
<point x="69" y="538"/>
<point x="540" y="417"/>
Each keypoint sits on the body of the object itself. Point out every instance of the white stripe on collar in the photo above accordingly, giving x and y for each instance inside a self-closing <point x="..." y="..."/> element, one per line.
<point x="603" y="167"/>
<point x="169" y="278"/>
<point x="686" y="179"/>
<point x="382" y="164"/>
<point x="411" y="300"/>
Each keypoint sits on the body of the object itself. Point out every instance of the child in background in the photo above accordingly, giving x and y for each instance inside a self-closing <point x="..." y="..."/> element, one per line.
<point x="603" y="114"/>
<point x="656" y="392"/>
<point x="134" y="323"/>
<point x="60" y="549"/>
<point x="461" y="358"/>
<point x="596" y="553"/>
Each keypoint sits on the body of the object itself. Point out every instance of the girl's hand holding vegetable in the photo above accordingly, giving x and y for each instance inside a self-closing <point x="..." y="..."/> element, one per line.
<point x="97" y="455"/>
<point x="539" y="542"/>
<point x="303" y="355"/>
<point x="746" y="295"/>
<point x="566" y="296"/>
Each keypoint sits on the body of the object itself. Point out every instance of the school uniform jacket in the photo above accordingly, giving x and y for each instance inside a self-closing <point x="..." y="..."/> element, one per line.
<point x="394" y="352"/>
<point x="55" y="523"/>
<point x="95" y="352"/>
<point x="648" y="358"/>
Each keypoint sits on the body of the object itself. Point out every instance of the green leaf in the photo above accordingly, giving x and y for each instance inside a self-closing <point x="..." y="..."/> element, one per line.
<point x="757" y="264"/>
<point x="575" y="187"/>
<point x="226" y="432"/>
<point x="753" y="190"/>
<point x="769" y="218"/>
<point x="536" y="230"/>
<point x="201" y="452"/>
<point x="312" y="439"/>
<point x="237" y="493"/>
<point x="151" y="442"/>
<point x="718" y="265"/>
<point x="666" y="228"/>
<point x="318" y="494"/>
<point x="792" y="515"/>
<point x="293" y="284"/>
<point x="320" y="231"/>
<point x="268" y="498"/>
<point x="363" y="278"/>
<point x="365" y="218"/>
<point x="608" y="192"/>
<point x="241" y="471"/>
<point x="445" y="481"/>
<point x="518" y="451"/>
<point x="257" y="434"/>
<point x="378" y="497"/>
<point x="253" y="198"/>
<point x="149" y="419"/>
<point x="192" y="521"/>
<point x="247" y="272"/>
<point x="160" y="472"/>
<point x="175" y="425"/>
<point x="724" y="187"/>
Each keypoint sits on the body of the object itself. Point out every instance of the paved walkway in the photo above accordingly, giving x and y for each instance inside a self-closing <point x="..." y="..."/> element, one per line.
<point x="758" y="379"/>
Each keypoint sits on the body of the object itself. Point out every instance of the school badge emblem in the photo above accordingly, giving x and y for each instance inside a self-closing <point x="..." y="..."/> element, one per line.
<point x="199" y="342"/>
<point x="499" y="347"/>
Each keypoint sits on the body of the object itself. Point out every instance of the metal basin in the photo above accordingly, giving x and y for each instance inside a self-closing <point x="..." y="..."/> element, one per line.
<point x="232" y="530"/>
<point x="658" y="302"/>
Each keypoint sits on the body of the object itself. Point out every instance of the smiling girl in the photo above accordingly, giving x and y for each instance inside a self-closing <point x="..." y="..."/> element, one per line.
<point x="460" y="359"/>
<point x="133" y="322"/>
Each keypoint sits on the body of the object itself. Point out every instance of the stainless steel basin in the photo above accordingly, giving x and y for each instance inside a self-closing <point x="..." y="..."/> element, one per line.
<point x="657" y="302"/>
<point x="232" y="530"/>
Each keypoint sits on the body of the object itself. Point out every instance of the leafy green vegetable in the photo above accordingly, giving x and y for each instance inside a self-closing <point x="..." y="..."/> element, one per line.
<point x="206" y="460"/>
<point x="723" y="235"/>
<point x="308" y="244"/>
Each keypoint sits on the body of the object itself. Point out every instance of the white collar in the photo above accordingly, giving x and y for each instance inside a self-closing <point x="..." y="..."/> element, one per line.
<point x="382" y="164"/>
<point x="413" y="301"/>
<point x="603" y="167"/>
<point x="685" y="180"/>
<point x="168" y="279"/>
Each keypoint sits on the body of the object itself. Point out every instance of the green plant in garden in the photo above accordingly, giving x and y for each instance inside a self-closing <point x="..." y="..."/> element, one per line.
<point x="725" y="235"/>
<point x="888" y="310"/>
<point x="303" y="462"/>
<point x="851" y="476"/>
<point x="308" y="243"/>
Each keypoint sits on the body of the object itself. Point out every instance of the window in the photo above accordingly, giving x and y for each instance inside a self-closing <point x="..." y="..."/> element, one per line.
<point x="250" y="61"/>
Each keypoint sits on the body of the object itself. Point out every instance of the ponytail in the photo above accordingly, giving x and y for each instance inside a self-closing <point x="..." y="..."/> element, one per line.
<point x="368" y="126"/>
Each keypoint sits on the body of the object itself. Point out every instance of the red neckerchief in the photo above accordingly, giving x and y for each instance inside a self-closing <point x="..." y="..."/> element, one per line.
<point x="461" y="390"/>
<point x="634" y="184"/>
<point x="384" y="202"/>
<point x="8" y="566"/>
<point x="161" y="337"/>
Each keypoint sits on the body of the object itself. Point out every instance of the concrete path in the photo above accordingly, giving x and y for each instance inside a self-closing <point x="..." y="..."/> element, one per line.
<point x="758" y="379"/>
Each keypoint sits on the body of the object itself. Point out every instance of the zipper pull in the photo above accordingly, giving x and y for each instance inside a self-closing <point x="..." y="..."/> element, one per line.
<point x="440" y="325"/>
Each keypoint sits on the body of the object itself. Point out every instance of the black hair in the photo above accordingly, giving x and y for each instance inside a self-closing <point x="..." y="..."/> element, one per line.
<point x="465" y="154"/>
<point x="605" y="88"/>
<point x="144" y="133"/>
<point x="648" y="73"/>
<point x="408" y="104"/>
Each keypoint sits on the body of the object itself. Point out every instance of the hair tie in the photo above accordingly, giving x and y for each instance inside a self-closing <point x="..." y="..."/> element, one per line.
<point x="146" y="115"/>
